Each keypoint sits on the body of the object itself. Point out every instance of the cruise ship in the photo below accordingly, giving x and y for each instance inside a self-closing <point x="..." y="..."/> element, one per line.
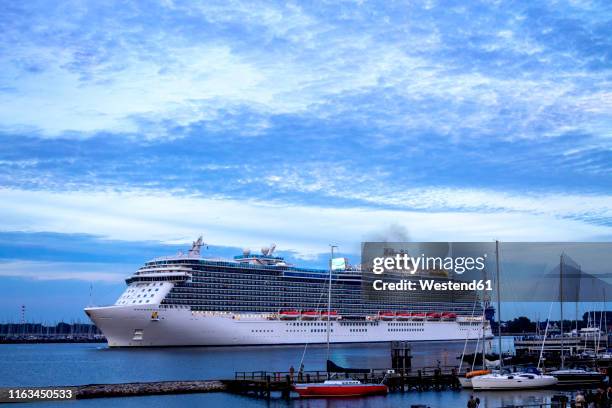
<point x="259" y="299"/>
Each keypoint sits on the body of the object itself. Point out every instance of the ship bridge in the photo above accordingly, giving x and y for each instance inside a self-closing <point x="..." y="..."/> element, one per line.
<point x="163" y="272"/>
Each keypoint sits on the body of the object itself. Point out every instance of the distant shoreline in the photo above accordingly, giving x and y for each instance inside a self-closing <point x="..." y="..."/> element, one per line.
<point x="44" y="341"/>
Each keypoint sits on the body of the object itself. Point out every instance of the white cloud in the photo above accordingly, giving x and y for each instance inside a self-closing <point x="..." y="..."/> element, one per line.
<point x="145" y="215"/>
<point x="85" y="271"/>
<point x="336" y="181"/>
<point x="301" y="63"/>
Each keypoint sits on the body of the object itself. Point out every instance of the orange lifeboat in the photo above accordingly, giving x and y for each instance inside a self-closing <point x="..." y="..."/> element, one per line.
<point x="333" y="315"/>
<point x="387" y="316"/>
<point x="288" y="314"/>
<point x="310" y="315"/>
<point x="403" y="315"/>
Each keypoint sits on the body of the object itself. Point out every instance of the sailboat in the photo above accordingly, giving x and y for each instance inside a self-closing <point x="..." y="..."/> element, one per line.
<point x="337" y="388"/>
<point x="466" y="380"/>
<point x="574" y="376"/>
<point x="527" y="379"/>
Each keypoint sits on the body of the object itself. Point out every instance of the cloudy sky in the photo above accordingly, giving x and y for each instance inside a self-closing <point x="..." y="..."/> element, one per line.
<point x="128" y="129"/>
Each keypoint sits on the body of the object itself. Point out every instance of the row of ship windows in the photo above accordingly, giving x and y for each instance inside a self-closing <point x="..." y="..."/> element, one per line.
<point x="273" y="293"/>
<point x="243" y="288"/>
<point x="265" y="308"/>
<point x="139" y="285"/>
<point x="299" y="303"/>
<point x="308" y="324"/>
<point x="257" y="298"/>
<point x="230" y="267"/>
<point x="250" y="280"/>
<point x="142" y="290"/>
<point x="139" y="295"/>
<point x="405" y="330"/>
<point x="273" y="274"/>
<point x="306" y="331"/>
<point x="223" y="274"/>
<point x="248" y="287"/>
<point x="358" y="330"/>
<point x="127" y="302"/>
<point x="406" y="324"/>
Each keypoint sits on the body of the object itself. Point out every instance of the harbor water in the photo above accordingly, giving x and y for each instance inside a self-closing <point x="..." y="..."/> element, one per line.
<point x="87" y="363"/>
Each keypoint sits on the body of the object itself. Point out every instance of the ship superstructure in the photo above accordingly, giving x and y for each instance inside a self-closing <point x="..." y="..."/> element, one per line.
<point x="254" y="299"/>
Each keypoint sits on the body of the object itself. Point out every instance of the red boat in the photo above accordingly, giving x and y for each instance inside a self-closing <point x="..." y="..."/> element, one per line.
<point x="339" y="388"/>
<point x="449" y="316"/>
<point x="419" y="316"/>
<point x="433" y="315"/>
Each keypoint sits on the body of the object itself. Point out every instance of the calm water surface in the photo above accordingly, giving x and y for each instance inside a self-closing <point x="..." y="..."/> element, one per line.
<point x="74" y="364"/>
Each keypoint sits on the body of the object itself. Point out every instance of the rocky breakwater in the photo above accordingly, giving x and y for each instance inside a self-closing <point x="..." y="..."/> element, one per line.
<point x="147" y="388"/>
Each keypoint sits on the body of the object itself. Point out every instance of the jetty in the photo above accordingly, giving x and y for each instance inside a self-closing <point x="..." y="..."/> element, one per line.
<point x="263" y="383"/>
<point x="148" y="388"/>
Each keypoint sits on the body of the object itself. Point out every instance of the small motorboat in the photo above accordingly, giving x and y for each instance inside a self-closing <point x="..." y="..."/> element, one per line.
<point x="578" y="376"/>
<point x="433" y="316"/>
<point x="339" y="388"/>
<point x="449" y="316"/>
<point x="419" y="316"/>
<point x="528" y="379"/>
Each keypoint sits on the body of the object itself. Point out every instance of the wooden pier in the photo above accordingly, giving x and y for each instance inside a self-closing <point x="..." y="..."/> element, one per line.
<point x="263" y="383"/>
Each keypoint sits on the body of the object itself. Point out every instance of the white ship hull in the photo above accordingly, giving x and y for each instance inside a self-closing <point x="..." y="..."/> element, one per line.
<point x="151" y="326"/>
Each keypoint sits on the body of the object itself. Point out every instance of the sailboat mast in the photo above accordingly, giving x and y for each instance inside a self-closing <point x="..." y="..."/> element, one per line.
<point x="561" y="302"/>
<point x="605" y="318"/>
<point x="484" y="352"/>
<point x="501" y="360"/>
<point x="329" y="298"/>
<point x="482" y="327"/>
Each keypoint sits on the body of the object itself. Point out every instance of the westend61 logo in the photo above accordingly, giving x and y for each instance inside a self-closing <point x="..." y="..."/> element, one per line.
<point x="410" y="264"/>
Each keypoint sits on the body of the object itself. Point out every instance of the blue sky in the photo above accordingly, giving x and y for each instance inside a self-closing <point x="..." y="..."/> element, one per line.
<point x="128" y="129"/>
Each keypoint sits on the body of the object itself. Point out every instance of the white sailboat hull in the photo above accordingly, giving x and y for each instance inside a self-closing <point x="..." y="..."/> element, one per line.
<point x="465" y="382"/>
<point x="513" y="381"/>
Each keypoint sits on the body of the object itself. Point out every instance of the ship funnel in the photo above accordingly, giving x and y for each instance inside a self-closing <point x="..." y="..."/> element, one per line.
<point x="265" y="251"/>
<point x="272" y="248"/>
